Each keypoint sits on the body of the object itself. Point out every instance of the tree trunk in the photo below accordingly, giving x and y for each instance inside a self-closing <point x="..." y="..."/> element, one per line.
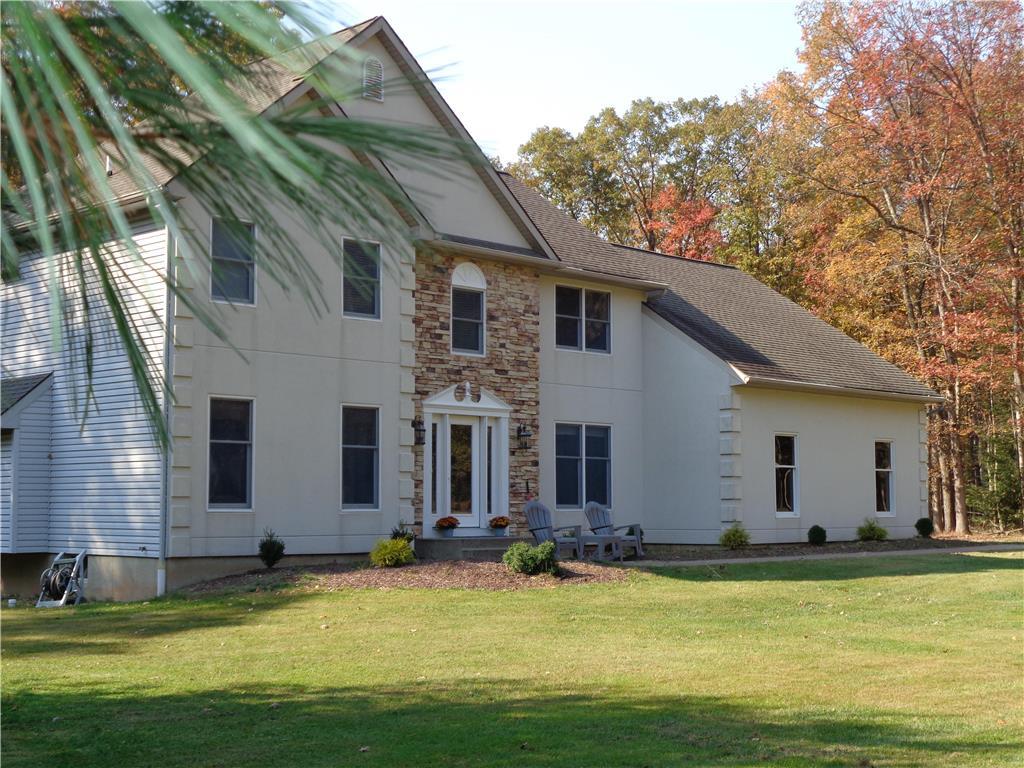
<point x="957" y="471"/>
<point x="945" y="479"/>
<point x="934" y="484"/>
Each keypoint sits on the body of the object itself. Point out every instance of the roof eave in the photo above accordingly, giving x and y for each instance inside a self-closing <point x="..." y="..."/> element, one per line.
<point x="540" y="263"/>
<point x="765" y="382"/>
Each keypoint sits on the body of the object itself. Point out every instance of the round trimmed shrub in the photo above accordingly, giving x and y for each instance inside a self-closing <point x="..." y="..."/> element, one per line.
<point x="522" y="558"/>
<point x="734" y="537"/>
<point x="271" y="548"/>
<point x="817" y="535"/>
<point x="391" y="553"/>
<point x="872" y="531"/>
<point x="925" y="527"/>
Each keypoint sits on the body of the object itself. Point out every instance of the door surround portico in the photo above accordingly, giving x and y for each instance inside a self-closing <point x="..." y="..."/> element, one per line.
<point x="462" y="404"/>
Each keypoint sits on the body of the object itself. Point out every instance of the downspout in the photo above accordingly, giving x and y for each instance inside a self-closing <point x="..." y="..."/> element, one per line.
<point x="161" y="567"/>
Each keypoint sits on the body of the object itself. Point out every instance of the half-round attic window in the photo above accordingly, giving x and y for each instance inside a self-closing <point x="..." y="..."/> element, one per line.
<point x="373" y="79"/>
<point x="468" y="275"/>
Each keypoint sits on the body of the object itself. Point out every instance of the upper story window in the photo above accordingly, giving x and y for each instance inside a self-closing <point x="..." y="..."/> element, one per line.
<point x="232" y="264"/>
<point x="883" y="477"/>
<point x="583" y="319"/>
<point x="786" y="487"/>
<point x="469" y="325"/>
<point x="373" y="80"/>
<point x="361" y="279"/>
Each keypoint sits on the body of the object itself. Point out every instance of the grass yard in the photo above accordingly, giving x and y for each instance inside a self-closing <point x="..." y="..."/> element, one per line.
<point x="881" y="662"/>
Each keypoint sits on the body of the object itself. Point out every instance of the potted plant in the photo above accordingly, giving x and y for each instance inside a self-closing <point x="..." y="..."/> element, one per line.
<point x="499" y="525"/>
<point x="447" y="525"/>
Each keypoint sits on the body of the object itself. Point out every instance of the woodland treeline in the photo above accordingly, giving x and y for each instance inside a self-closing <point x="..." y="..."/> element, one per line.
<point x="882" y="188"/>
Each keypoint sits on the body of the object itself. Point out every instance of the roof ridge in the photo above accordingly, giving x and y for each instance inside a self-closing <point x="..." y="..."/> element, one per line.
<point x="672" y="256"/>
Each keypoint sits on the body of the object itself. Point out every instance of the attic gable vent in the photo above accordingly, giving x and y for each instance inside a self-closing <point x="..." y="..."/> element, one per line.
<point x="373" y="80"/>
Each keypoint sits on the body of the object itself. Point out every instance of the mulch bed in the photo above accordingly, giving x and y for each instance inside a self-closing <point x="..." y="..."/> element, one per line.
<point x="710" y="552"/>
<point x="448" y="574"/>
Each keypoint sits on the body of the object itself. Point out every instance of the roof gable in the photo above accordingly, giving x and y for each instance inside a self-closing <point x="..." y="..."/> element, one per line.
<point x="482" y="179"/>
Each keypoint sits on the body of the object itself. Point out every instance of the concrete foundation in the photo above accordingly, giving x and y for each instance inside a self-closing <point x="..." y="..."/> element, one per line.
<point x="19" y="574"/>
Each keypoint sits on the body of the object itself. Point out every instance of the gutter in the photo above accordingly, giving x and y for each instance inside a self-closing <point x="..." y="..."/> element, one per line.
<point x="165" y="475"/>
<point x="764" y="382"/>
<point x="543" y="265"/>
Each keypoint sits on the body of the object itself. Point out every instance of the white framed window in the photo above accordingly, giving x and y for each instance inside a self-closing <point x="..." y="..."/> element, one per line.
<point x="360" y="293"/>
<point x="230" y="453"/>
<point x="583" y="319"/>
<point x="787" y="485"/>
<point x="360" y="457"/>
<point x="469" y="310"/>
<point x="232" y="261"/>
<point x="883" y="478"/>
<point x="583" y="459"/>
<point x="373" y="79"/>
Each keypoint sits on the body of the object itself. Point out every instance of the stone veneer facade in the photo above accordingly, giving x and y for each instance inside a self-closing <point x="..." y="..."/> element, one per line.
<point x="510" y="369"/>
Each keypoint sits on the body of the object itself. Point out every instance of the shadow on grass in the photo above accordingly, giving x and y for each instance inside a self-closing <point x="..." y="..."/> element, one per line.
<point x="461" y="723"/>
<point x="112" y="628"/>
<point x="839" y="569"/>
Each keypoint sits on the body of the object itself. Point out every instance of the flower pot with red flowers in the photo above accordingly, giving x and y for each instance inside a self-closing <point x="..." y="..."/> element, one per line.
<point x="446" y="525"/>
<point x="499" y="525"/>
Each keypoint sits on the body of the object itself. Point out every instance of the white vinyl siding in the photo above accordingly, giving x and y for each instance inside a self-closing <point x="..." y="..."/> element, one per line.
<point x="32" y="476"/>
<point x="105" y="479"/>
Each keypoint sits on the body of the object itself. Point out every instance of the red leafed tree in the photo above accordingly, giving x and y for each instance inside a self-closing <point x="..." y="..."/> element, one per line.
<point x="685" y="227"/>
<point x="914" y="113"/>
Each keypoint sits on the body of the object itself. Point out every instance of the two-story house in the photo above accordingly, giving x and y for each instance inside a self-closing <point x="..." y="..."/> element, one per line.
<point x="505" y="353"/>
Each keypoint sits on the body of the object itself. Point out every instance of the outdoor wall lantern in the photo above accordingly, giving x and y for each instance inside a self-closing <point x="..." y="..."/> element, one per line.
<point x="420" y="430"/>
<point x="523" y="435"/>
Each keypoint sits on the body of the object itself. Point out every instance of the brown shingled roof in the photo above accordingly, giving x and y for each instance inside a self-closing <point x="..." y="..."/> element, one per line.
<point x="758" y="331"/>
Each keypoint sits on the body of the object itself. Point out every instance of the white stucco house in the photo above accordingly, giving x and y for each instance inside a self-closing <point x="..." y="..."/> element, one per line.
<point x="505" y="353"/>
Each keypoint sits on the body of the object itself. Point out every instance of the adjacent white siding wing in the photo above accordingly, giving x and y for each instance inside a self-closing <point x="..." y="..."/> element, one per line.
<point x="105" y="472"/>
<point x="32" y="476"/>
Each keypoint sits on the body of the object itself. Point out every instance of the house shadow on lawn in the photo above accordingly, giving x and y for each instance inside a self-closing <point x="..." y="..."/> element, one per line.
<point x="112" y="628"/>
<point x="841" y="568"/>
<point x="461" y="723"/>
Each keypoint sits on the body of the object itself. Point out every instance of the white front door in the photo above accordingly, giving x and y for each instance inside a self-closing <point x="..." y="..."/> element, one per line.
<point x="464" y="470"/>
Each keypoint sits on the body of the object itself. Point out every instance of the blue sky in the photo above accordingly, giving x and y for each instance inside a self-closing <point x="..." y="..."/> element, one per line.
<point x="507" y="67"/>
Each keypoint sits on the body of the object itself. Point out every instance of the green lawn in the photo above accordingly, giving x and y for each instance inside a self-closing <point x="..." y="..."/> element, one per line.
<point x="885" y="662"/>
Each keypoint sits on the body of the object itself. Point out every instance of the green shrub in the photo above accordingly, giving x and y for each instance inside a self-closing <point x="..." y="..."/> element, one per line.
<point x="391" y="553"/>
<point x="925" y="527"/>
<point x="872" y="531"/>
<point x="271" y="548"/>
<point x="735" y="537"/>
<point x="522" y="558"/>
<point x="403" y="531"/>
<point x="817" y="535"/>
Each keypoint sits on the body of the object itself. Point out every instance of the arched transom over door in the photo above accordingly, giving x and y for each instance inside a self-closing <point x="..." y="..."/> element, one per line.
<point x="465" y="457"/>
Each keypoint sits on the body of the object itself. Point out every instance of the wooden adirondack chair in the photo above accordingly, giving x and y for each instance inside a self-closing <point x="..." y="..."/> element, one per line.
<point x="600" y="521"/>
<point x="538" y="520"/>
